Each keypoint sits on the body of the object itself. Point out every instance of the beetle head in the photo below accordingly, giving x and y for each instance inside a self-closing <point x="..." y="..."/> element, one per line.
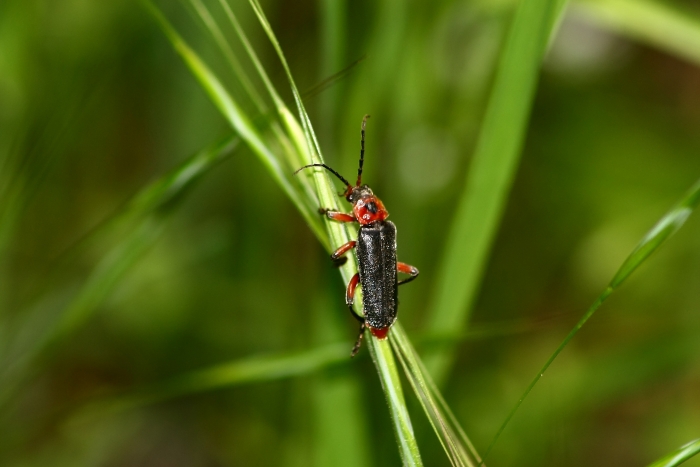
<point x="365" y="205"/>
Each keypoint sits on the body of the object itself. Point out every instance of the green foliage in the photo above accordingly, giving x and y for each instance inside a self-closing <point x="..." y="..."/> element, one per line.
<point x="157" y="308"/>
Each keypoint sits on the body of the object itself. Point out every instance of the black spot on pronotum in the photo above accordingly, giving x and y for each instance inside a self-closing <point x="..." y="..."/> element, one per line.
<point x="372" y="207"/>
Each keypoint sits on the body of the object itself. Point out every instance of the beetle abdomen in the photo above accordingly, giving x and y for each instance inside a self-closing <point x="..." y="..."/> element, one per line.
<point x="376" y="255"/>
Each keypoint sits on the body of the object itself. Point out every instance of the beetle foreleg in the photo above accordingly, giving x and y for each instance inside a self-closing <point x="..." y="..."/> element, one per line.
<point x="337" y="215"/>
<point x="407" y="269"/>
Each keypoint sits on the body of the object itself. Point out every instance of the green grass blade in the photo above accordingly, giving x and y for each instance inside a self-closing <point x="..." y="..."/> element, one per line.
<point x="679" y="456"/>
<point x="225" y="48"/>
<point x="667" y="226"/>
<point x="239" y="120"/>
<point x="314" y="147"/>
<point x="295" y="146"/>
<point x="326" y="193"/>
<point x="389" y="376"/>
<point x="454" y="441"/>
<point x="654" y="23"/>
<point x="381" y="351"/>
<point x="327" y="196"/>
<point x="492" y="170"/>
<point x="336" y="395"/>
<point x="296" y="134"/>
<point x="279" y="103"/>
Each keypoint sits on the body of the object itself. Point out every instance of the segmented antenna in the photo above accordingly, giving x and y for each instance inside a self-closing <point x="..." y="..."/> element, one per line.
<point x="342" y="179"/>
<point x="362" y="151"/>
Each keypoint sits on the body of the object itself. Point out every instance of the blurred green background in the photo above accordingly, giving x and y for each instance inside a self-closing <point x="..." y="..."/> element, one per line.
<point x="95" y="105"/>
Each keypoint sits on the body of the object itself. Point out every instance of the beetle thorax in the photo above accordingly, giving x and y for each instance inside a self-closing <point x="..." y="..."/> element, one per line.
<point x="366" y="207"/>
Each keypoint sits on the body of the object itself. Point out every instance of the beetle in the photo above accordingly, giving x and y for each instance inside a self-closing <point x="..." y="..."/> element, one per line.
<point x="376" y="254"/>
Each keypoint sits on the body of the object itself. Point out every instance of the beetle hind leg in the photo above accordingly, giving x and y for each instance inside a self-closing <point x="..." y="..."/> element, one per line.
<point x="349" y="301"/>
<point x="350" y="297"/>
<point x="407" y="269"/>
<point x="358" y="343"/>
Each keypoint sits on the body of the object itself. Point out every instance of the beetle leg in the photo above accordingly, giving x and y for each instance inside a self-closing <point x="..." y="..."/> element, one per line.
<point x="349" y="300"/>
<point x="342" y="250"/>
<point x="407" y="269"/>
<point x="350" y="297"/>
<point x="358" y="343"/>
<point x="337" y="215"/>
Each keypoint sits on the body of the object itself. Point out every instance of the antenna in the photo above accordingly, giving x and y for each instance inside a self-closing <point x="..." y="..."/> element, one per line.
<point x="342" y="179"/>
<point x="362" y="150"/>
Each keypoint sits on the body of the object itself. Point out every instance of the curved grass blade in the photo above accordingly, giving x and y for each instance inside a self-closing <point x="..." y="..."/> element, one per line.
<point x="295" y="147"/>
<point x="213" y="28"/>
<point x="144" y="222"/>
<point x="454" y="441"/>
<point x="168" y="188"/>
<point x="314" y="147"/>
<point x="679" y="456"/>
<point x="274" y="367"/>
<point x="492" y="170"/>
<point x="667" y="226"/>
<point x="651" y="22"/>
<point x="225" y="48"/>
<point x="236" y="373"/>
<point x="381" y="351"/>
<point x="239" y="120"/>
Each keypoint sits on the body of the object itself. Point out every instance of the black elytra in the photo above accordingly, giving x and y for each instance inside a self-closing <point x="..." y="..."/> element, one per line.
<point x="376" y="259"/>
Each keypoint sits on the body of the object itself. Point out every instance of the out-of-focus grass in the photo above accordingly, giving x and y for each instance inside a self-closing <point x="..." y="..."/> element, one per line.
<point x="493" y="166"/>
<point x="664" y="228"/>
<point x="140" y="223"/>
<point x="658" y="24"/>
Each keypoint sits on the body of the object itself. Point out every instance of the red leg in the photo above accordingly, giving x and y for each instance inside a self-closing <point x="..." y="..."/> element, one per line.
<point x="349" y="300"/>
<point x="338" y="216"/>
<point x="342" y="250"/>
<point x="407" y="269"/>
<point x="350" y="297"/>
